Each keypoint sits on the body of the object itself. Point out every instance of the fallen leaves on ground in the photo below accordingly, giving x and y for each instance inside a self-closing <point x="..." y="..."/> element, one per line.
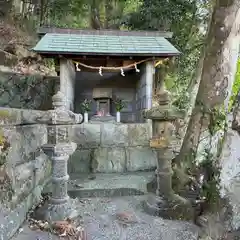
<point x="126" y="218"/>
<point x="64" y="229"/>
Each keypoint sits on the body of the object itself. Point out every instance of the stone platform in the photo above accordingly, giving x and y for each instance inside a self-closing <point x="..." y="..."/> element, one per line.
<point x="111" y="148"/>
<point x="108" y="185"/>
<point x="101" y="223"/>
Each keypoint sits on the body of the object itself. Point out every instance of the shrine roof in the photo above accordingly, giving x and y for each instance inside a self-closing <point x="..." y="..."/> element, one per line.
<point x="99" y="42"/>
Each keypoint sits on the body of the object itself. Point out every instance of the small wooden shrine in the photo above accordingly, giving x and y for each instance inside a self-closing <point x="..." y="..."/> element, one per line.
<point x="105" y="65"/>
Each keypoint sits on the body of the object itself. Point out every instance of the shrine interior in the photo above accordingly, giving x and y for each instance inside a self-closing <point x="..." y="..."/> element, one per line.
<point x="127" y="88"/>
<point x="117" y="87"/>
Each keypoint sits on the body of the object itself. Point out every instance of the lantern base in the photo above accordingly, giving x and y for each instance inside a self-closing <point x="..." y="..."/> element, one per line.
<point x="172" y="207"/>
<point x="58" y="212"/>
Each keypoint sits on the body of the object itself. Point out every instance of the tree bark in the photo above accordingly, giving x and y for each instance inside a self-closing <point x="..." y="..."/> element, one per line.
<point x="219" y="68"/>
<point x="95" y="15"/>
<point x="108" y="10"/>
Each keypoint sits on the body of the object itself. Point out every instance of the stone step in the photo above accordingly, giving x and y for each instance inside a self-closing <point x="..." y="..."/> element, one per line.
<point x="108" y="184"/>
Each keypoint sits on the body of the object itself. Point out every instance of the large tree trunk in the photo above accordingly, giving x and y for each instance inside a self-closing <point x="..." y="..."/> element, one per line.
<point x="219" y="68"/>
<point x="217" y="77"/>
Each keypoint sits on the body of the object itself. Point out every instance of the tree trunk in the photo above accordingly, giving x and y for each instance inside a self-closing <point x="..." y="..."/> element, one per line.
<point x="108" y="10"/>
<point x="193" y="93"/>
<point x="42" y="8"/>
<point x="95" y="15"/>
<point x="219" y="68"/>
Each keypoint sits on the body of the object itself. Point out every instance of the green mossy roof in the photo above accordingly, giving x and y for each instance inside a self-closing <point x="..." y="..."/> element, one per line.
<point x="55" y="43"/>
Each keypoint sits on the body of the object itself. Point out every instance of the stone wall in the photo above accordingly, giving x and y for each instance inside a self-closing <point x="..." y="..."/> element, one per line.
<point x="24" y="171"/>
<point x="22" y="91"/>
<point x="111" y="148"/>
<point x="230" y="167"/>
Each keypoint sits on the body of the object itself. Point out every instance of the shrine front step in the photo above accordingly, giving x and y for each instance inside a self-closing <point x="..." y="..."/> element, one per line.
<point x="109" y="185"/>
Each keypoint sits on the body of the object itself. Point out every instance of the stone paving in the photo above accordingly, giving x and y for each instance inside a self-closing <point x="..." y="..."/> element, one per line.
<point x="101" y="223"/>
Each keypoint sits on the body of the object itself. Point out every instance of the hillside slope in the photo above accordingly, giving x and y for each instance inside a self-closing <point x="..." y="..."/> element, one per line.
<point x="26" y="80"/>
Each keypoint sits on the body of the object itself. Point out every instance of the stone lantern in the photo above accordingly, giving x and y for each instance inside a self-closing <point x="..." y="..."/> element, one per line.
<point x="165" y="202"/>
<point x="58" y="149"/>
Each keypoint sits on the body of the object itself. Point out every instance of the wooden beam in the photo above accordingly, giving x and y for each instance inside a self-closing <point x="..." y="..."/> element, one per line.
<point x="104" y="58"/>
<point x="111" y="56"/>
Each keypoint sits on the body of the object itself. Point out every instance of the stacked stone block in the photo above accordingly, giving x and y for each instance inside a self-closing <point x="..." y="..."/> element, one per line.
<point x="26" y="168"/>
<point x="109" y="148"/>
